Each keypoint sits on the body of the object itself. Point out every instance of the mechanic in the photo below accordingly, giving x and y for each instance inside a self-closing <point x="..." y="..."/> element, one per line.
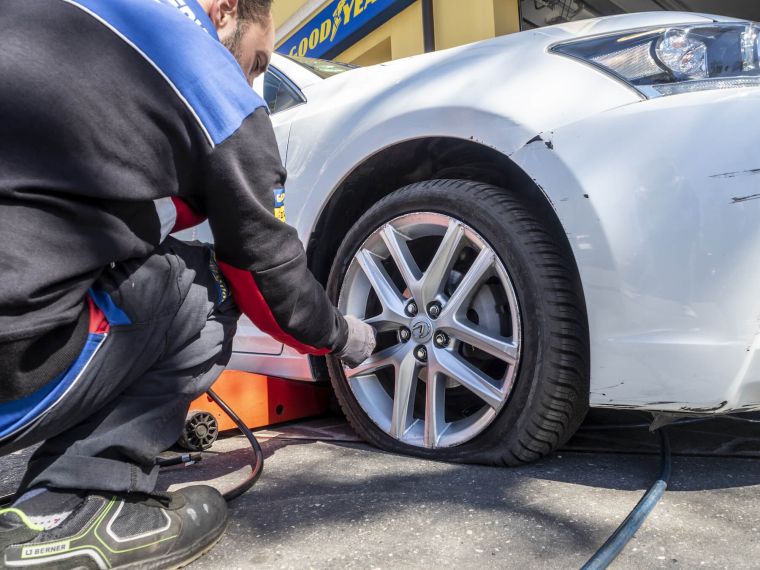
<point x="123" y="121"/>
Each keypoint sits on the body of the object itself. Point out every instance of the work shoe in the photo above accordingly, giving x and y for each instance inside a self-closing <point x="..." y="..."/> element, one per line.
<point x="162" y="530"/>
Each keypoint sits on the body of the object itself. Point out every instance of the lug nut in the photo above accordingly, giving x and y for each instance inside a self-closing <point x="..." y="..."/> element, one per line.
<point x="411" y="308"/>
<point x="441" y="339"/>
<point x="434" y="309"/>
<point x="420" y="353"/>
<point x="404" y="334"/>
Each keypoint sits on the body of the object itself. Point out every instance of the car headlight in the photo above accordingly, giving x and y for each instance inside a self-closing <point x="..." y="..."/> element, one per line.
<point x="675" y="59"/>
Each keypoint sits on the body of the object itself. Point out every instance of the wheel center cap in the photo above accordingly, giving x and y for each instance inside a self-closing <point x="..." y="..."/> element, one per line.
<point x="422" y="329"/>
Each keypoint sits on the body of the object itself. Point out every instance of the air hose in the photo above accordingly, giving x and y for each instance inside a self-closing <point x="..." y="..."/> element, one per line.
<point x="614" y="545"/>
<point x="258" y="456"/>
<point x="257" y="464"/>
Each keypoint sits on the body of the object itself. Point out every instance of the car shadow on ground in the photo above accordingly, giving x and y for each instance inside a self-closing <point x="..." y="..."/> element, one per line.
<point x="575" y="497"/>
<point x="616" y="459"/>
<point x="566" y="503"/>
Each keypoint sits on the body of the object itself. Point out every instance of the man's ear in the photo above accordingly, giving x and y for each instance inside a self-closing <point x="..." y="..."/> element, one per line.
<point x="223" y="13"/>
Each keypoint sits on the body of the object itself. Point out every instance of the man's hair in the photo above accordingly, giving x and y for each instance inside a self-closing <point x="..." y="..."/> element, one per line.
<point x="254" y="10"/>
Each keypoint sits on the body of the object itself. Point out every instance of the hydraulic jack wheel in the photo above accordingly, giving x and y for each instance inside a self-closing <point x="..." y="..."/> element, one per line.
<point x="201" y="431"/>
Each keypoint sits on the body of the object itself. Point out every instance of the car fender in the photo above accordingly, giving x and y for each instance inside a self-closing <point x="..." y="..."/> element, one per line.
<point x="499" y="93"/>
<point x="663" y="222"/>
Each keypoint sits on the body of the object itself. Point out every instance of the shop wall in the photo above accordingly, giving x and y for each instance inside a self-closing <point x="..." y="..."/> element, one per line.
<point x="457" y="22"/>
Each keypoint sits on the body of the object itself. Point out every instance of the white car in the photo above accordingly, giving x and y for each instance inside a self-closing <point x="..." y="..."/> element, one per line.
<point x="563" y="217"/>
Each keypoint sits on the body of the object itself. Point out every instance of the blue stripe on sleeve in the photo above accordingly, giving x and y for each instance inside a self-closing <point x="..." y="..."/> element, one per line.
<point x="200" y="69"/>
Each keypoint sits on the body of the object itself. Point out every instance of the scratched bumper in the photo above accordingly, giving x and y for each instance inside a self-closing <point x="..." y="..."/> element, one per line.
<point x="661" y="203"/>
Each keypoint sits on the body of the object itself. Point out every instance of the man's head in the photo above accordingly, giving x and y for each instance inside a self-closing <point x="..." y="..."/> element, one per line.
<point x="245" y="27"/>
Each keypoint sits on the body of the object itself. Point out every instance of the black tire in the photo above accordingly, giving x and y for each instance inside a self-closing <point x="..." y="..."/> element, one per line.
<point x="550" y="396"/>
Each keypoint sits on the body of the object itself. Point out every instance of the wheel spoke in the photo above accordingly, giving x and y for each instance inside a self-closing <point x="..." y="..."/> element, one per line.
<point x="435" y="417"/>
<point x="407" y="266"/>
<point x="387" y="320"/>
<point x="438" y="271"/>
<point x="386" y="290"/>
<point x="469" y="377"/>
<point x="403" y="395"/>
<point x="391" y="356"/>
<point x="497" y="346"/>
<point x="469" y="283"/>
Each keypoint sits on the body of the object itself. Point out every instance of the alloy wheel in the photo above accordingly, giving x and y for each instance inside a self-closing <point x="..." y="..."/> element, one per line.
<point x="448" y="326"/>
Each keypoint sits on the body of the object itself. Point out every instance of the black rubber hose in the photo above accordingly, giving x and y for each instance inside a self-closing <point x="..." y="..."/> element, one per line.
<point x="258" y="455"/>
<point x="184" y="458"/>
<point x="603" y="557"/>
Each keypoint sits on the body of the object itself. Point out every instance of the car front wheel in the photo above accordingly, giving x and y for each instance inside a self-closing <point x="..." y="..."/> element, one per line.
<point x="482" y="349"/>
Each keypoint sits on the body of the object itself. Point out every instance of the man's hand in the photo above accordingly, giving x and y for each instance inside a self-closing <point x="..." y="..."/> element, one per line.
<point x="360" y="343"/>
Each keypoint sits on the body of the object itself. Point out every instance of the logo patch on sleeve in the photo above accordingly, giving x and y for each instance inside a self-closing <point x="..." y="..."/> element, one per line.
<point x="222" y="288"/>
<point x="279" y="204"/>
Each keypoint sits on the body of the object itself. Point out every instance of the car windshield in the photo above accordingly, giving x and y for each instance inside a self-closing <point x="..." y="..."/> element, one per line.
<point x="322" y="67"/>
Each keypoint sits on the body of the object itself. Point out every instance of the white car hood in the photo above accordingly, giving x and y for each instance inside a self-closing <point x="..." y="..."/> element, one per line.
<point x="501" y="92"/>
<point x="541" y="38"/>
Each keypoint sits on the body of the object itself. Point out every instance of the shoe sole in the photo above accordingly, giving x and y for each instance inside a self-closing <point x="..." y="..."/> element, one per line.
<point x="175" y="560"/>
<point x="201" y="553"/>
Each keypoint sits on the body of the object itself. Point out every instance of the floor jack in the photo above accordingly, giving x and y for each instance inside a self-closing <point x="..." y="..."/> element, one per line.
<point x="259" y="401"/>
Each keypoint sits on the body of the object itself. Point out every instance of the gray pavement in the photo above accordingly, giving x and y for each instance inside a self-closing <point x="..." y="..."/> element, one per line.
<point x="338" y="503"/>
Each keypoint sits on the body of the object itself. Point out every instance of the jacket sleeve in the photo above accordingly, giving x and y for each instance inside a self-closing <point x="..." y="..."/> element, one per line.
<point x="187" y="215"/>
<point x="262" y="257"/>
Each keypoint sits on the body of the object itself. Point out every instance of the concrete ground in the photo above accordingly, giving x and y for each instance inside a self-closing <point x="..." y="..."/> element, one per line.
<point x="326" y="500"/>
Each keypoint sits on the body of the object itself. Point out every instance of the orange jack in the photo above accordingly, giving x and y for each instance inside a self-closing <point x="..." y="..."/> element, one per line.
<point x="258" y="400"/>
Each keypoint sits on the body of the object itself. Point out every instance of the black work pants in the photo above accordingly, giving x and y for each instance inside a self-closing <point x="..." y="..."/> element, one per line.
<point x="130" y="402"/>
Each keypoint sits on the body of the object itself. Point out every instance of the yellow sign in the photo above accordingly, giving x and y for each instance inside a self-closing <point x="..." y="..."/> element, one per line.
<point x="339" y="23"/>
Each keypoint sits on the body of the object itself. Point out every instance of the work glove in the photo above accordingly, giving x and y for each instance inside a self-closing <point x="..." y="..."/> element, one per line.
<point x="360" y="343"/>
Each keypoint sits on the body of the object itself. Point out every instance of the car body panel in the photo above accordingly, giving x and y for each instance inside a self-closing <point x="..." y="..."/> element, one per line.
<point x="661" y="221"/>
<point x="450" y="93"/>
<point x="666" y="238"/>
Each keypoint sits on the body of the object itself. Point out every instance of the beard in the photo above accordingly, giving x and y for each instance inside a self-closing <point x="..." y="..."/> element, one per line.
<point x="234" y="40"/>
